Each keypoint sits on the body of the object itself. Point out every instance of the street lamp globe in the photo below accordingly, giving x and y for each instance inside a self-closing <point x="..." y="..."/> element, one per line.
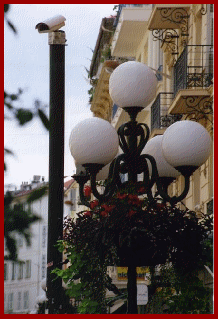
<point x="93" y="141"/>
<point x="153" y="148"/>
<point x="186" y="144"/>
<point x="132" y="84"/>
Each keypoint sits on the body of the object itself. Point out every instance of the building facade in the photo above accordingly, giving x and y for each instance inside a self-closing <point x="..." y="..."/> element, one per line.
<point x="176" y="41"/>
<point x="22" y="280"/>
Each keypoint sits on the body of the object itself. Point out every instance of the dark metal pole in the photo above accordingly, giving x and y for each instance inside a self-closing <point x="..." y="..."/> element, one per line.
<point x="56" y="167"/>
<point x="132" y="177"/>
<point x="132" y="290"/>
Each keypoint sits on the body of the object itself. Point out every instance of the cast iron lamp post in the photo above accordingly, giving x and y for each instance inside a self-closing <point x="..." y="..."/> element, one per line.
<point x="57" y="43"/>
<point x="94" y="143"/>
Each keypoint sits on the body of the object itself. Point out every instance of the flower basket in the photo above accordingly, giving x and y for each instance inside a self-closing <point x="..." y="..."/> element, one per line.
<point x="138" y="249"/>
<point x="129" y="230"/>
<point x="111" y="64"/>
<point x="138" y="257"/>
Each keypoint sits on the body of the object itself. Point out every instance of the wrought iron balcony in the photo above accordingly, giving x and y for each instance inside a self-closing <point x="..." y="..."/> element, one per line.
<point x="130" y="26"/>
<point x="194" y="68"/>
<point x="120" y="7"/>
<point x="160" y="118"/>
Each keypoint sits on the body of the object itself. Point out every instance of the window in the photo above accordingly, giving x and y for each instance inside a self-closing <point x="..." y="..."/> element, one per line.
<point x="19" y="301"/>
<point x="20" y="270"/>
<point x="13" y="276"/>
<point x="44" y="231"/>
<point x="20" y="242"/>
<point x="10" y="301"/>
<point x="43" y="266"/>
<point x="5" y="299"/>
<point x="26" y="299"/>
<point x="5" y="271"/>
<point x="28" y="269"/>
<point x="73" y="197"/>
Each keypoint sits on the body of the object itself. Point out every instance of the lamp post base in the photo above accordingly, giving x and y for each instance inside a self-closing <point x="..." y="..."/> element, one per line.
<point x="132" y="291"/>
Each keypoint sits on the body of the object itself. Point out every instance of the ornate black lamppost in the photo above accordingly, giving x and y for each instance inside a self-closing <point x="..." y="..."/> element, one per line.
<point x="94" y="143"/>
<point x="57" y="43"/>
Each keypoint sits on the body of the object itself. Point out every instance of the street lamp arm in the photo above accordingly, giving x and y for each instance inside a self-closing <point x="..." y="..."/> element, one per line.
<point x="113" y="178"/>
<point x="82" y="179"/>
<point x="175" y="199"/>
<point x="139" y="129"/>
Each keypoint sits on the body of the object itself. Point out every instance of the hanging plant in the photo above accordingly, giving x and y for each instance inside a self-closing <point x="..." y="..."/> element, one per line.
<point x="106" y="53"/>
<point x="129" y="229"/>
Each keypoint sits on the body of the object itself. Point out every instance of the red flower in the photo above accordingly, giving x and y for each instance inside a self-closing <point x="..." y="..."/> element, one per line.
<point x="104" y="213"/>
<point x="121" y="196"/>
<point x="161" y="205"/>
<point x="88" y="214"/>
<point x="141" y="190"/>
<point x="108" y="208"/>
<point x="133" y="200"/>
<point x="131" y="213"/>
<point x="94" y="203"/>
<point x="87" y="191"/>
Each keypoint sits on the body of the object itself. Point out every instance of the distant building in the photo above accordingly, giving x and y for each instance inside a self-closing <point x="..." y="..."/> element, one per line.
<point x="22" y="281"/>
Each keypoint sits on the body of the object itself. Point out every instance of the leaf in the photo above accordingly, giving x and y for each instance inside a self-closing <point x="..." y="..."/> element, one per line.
<point x="44" y="119"/>
<point x="24" y="116"/>
<point x="7" y="151"/>
<point x="12" y="26"/>
<point x="9" y="106"/>
<point x="14" y="97"/>
<point x="36" y="194"/>
<point x="6" y="7"/>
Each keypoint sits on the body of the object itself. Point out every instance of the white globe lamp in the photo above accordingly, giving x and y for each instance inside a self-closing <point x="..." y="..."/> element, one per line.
<point x="93" y="141"/>
<point x="186" y="145"/>
<point x="132" y="84"/>
<point x="153" y="148"/>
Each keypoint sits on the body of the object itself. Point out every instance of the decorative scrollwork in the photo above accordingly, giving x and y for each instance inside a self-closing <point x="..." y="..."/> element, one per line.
<point x="168" y="37"/>
<point x="179" y="16"/>
<point x="203" y="10"/>
<point x="199" y="79"/>
<point x="200" y="108"/>
<point x="132" y="141"/>
<point x="167" y="120"/>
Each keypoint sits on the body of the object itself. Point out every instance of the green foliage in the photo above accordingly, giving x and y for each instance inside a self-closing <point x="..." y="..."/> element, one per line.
<point x="127" y="221"/>
<point x="85" y="277"/>
<point x="20" y="114"/>
<point x="10" y="24"/>
<point x="44" y="119"/>
<point x="17" y="220"/>
<point x="106" y="53"/>
<point x="174" y="292"/>
<point x="23" y="116"/>
<point x="37" y="194"/>
<point x="115" y="8"/>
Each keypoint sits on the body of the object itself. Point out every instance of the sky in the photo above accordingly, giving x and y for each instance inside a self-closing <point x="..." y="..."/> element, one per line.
<point x="26" y="66"/>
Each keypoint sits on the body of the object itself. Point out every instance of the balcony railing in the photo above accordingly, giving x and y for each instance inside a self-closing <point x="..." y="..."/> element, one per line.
<point x="194" y="68"/>
<point x="160" y="118"/>
<point x="121" y="6"/>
